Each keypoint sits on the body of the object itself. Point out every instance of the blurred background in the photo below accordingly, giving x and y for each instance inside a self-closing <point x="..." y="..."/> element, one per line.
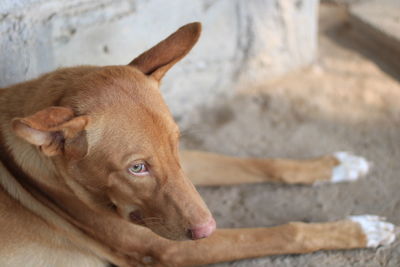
<point x="268" y="78"/>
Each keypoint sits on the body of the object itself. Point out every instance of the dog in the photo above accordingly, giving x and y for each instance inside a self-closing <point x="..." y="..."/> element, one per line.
<point x="91" y="175"/>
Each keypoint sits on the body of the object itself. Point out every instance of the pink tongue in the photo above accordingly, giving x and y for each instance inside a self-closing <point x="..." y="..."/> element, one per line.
<point x="136" y="216"/>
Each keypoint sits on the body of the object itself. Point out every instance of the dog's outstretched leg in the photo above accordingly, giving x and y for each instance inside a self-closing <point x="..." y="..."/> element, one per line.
<point x="205" y="168"/>
<point x="365" y="231"/>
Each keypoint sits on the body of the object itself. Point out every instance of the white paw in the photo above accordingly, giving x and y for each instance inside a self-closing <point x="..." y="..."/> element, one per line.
<point x="350" y="168"/>
<point x="376" y="229"/>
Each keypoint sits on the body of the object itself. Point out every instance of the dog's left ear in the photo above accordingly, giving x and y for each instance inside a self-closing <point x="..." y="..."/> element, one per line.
<point x="55" y="130"/>
<point x="159" y="59"/>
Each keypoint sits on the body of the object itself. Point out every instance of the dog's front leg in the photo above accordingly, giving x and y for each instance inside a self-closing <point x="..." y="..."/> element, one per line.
<point x="205" y="168"/>
<point x="292" y="238"/>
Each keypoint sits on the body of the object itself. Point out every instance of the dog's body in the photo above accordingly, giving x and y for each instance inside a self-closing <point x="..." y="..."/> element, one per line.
<point x="90" y="174"/>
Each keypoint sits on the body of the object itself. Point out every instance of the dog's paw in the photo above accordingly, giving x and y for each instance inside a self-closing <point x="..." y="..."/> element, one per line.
<point x="350" y="167"/>
<point x="377" y="231"/>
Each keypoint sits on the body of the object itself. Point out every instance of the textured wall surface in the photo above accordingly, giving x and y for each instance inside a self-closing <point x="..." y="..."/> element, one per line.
<point x="243" y="42"/>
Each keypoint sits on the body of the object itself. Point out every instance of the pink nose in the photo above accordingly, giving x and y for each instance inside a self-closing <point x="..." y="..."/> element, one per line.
<point x="203" y="230"/>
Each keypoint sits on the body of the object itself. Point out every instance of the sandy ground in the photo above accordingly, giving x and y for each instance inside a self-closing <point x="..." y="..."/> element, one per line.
<point x="346" y="101"/>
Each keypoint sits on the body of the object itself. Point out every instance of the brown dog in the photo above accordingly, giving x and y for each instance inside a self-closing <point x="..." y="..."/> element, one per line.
<point x="91" y="174"/>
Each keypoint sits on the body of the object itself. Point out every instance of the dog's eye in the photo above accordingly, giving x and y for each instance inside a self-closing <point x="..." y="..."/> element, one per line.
<point x="138" y="169"/>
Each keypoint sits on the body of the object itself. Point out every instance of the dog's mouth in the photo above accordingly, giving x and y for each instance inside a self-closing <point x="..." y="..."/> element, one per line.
<point x="136" y="216"/>
<point x="157" y="225"/>
<point x="131" y="213"/>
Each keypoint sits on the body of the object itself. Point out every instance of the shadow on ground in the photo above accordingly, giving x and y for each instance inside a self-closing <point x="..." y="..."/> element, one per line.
<point x="344" y="102"/>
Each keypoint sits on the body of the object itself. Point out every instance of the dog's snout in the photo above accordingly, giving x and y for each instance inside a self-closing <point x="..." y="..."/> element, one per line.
<point x="202" y="230"/>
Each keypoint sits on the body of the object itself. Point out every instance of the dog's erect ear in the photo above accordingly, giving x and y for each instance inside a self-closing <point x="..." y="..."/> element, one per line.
<point x="55" y="130"/>
<point x="160" y="58"/>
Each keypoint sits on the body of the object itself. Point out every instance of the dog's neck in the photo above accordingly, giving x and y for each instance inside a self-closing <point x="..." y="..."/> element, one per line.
<point x="30" y="193"/>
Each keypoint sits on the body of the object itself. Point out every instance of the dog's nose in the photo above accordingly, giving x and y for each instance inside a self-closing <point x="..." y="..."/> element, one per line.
<point x="203" y="230"/>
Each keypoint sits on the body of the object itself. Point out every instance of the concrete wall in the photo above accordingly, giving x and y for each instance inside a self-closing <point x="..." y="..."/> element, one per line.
<point x="243" y="44"/>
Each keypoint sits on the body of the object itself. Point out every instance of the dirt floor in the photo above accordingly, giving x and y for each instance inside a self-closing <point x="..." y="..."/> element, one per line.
<point x="346" y="101"/>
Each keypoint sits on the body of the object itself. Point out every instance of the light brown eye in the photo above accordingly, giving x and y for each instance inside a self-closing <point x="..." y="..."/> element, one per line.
<point x="138" y="169"/>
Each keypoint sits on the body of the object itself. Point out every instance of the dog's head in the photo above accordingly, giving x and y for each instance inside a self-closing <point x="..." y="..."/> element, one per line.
<point x="115" y="142"/>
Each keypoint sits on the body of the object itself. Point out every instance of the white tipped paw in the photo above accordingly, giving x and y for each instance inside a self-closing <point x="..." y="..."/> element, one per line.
<point x="350" y="167"/>
<point x="376" y="229"/>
